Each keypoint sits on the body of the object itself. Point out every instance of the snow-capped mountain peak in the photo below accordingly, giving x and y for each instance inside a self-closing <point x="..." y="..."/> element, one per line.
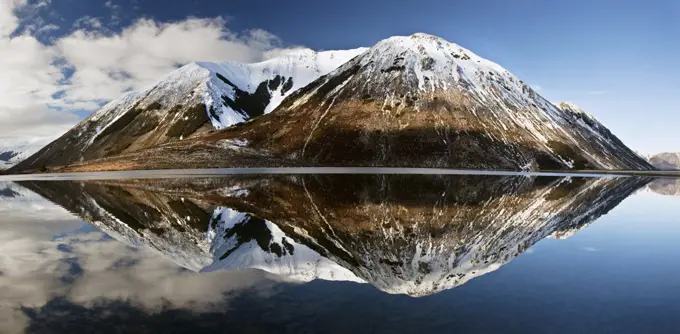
<point x="436" y="47"/>
<point x="436" y="62"/>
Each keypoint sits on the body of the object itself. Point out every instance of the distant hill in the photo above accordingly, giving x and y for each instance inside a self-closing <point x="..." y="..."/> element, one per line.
<point x="11" y="155"/>
<point x="666" y="160"/>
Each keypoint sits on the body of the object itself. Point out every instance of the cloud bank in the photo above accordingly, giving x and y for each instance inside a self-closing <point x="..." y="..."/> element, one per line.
<point x="44" y="84"/>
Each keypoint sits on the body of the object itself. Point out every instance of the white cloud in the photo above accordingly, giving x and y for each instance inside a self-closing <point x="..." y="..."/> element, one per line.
<point x="87" y="22"/>
<point x="42" y="3"/>
<point x="278" y="52"/>
<point x="33" y="124"/>
<point x="9" y="21"/>
<point x="47" y="28"/>
<point x="596" y="92"/>
<point x="109" y="4"/>
<point x="147" y="50"/>
<point x="32" y="73"/>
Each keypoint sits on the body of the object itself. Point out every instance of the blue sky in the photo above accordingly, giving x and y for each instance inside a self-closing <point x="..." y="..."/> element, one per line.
<point x="616" y="59"/>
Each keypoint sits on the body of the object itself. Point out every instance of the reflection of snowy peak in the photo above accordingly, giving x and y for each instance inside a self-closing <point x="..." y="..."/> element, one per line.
<point x="438" y="234"/>
<point x="665" y="186"/>
<point x="9" y="191"/>
<point x="414" y="254"/>
<point x="244" y="241"/>
<point x="193" y="99"/>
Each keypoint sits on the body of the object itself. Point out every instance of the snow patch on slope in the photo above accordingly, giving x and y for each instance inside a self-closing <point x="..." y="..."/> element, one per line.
<point x="199" y="82"/>
<point x="301" y="67"/>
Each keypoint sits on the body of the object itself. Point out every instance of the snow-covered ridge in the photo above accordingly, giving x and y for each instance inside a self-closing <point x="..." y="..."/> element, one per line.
<point x="209" y="81"/>
<point x="440" y="64"/>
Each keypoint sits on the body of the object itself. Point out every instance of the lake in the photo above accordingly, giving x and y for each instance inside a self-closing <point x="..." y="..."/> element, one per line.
<point x="381" y="251"/>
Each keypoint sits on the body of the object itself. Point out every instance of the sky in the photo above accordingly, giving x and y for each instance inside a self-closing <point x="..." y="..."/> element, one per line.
<point x="62" y="59"/>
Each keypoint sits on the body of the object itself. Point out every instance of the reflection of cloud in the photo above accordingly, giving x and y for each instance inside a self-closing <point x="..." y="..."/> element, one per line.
<point x="42" y="259"/>
<point x="88" y="268"/>
<point x="22" y="211"/>
<point x="590" y="249"/>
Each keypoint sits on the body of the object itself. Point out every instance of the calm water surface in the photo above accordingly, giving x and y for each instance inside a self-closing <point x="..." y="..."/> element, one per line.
<point x="337" y="253"/>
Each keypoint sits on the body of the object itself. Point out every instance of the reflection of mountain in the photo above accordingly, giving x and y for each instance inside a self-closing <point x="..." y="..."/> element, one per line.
<point x="10" y="191"/>
<point x="665" y="186"/>
<point x="407" y="234"/>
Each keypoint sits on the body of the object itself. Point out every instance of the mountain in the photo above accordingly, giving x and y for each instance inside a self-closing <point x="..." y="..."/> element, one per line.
<point x="420" y="101"/>
<point x="11" y="155"/>
<point x="665" y="161"/>
<point x="196" y="98"/>
<point x="404" y="234"/>
<point x="416" y="101"/>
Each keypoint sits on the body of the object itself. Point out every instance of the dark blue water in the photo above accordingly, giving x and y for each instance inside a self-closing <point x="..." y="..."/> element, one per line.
<point x="337" y="254"/>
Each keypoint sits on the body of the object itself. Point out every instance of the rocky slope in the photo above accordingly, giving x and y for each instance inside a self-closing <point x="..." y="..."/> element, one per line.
<point x="416" y="101"/>
<point x="404" y="234"/>
<point x="194" y="99"/>
<point x="665" y="161"/>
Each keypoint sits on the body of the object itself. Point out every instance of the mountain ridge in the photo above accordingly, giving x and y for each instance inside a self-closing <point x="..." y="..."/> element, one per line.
<point x="408" y="101"/>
